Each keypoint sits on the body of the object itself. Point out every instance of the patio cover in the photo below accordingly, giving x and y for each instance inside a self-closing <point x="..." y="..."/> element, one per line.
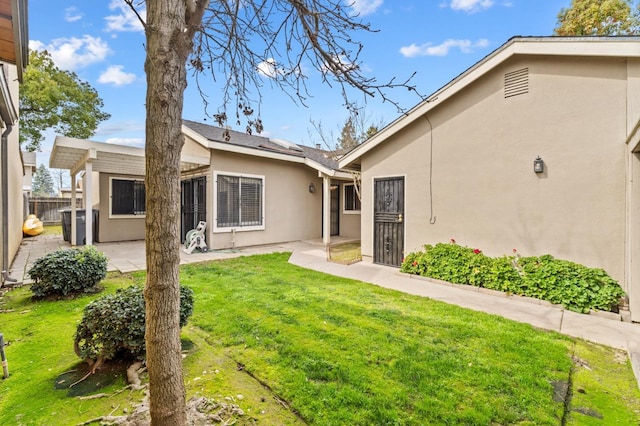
<point x="78" y="155"/>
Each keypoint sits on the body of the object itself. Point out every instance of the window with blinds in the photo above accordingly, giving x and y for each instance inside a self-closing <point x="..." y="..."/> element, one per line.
<point x="239" y="201"/>
<point x="127" y="197"/>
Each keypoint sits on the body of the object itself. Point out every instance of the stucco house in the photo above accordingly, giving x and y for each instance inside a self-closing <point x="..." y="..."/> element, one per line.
<point x="251" y="190"/>
<point x="14" y="56"/>
<point x="535" y="148"/>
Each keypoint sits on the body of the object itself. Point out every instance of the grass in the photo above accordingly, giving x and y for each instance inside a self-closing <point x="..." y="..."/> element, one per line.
<point x="345" y="253"/>
<point x="52" y="230"/>
<point x="335" y="351"/>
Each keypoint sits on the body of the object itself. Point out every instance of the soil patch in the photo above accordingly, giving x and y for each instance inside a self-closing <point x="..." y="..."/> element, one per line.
<point x="109" y="373"/>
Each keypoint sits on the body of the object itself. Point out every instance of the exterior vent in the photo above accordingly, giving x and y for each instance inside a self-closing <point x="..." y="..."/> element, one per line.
<point x="516" y="83"/>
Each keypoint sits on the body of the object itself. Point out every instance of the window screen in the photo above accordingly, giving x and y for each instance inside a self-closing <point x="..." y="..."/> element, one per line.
<point x="351" y="200"/>
<point x="239" y="201"/>
<point x="127" y="197"/>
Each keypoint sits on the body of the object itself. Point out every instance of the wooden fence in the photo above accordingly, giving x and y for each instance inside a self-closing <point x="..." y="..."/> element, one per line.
<point x="47" y="208"/>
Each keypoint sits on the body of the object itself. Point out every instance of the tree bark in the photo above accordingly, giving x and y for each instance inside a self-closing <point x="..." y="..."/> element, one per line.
<point x="165" y="67"/>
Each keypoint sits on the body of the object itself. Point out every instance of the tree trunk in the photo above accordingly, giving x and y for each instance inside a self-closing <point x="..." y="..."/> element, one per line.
<point x="165" y="68"/>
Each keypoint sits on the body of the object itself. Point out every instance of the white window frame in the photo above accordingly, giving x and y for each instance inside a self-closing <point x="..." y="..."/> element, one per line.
<point x="216" y="228"/>
<point x="122" y="216"/>
<point x="344" y="199"/>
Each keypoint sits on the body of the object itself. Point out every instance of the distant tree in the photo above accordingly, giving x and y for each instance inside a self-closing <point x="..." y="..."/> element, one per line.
<point x="53" y="98"/>
<point x="348" y="138"/>
<point x="357" y="128"/>
<point x="598" y="17"/>
<point x="42" y="185"/>
<point x="371" y="130"/>
<point x="61" y="178"/>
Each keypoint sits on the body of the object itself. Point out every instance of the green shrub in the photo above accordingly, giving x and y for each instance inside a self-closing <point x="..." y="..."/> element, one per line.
<point x="449" y="262"/>
<point x="572" y="285"/>
<point x="576" y="287"/>
<point x="66" y="271"/>
<point x="113" y="325"/>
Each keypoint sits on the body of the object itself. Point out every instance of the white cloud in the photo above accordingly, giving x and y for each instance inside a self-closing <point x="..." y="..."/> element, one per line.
<point x="269" y="68"/>
<point x="428" y="49"/>
<point x="116" y="76"/>
<point x="341" y="64"/>
<point x="124" y="20"/>
<point x="365" y="7"/>
<point x="71" y="14"/>
<point x="471" y="6"/>
<point x="73" y="53"/>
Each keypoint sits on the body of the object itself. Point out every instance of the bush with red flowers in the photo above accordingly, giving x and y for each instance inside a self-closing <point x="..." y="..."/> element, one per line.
<point x="576" y="287"/>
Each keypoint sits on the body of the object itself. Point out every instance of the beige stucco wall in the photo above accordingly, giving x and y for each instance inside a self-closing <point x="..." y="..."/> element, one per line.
<point x="15" y="173"/>
<point x="116" y="228"/>
<point x="292" y="213"/>
<point x="485" y="193"/>
<point x="193" y="148"/>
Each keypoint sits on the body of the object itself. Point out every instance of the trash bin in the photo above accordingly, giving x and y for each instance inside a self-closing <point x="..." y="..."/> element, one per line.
<point x="65" y="218"/>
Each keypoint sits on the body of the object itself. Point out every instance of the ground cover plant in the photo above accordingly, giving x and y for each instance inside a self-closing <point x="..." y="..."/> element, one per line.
<point x="574" y="286"/>
<point x="293" y="346"/>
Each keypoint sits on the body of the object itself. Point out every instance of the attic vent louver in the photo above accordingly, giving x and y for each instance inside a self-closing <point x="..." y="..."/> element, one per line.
<point x="516" y="83"/>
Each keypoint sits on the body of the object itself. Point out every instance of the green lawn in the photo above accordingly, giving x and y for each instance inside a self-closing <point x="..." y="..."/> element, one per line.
<point x="290" y="346"/>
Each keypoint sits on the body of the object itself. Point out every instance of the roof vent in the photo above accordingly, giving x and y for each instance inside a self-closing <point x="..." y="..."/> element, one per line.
<point x="516" y="83"/>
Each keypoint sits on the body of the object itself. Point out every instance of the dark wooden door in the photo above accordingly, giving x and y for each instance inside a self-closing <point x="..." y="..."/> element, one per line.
<point x="335" y="210"/>
<point x="388" y="223"/>
<point x="193" y="204"/>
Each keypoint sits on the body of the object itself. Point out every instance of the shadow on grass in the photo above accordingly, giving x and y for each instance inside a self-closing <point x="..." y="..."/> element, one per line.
<point x="108" y="374"/>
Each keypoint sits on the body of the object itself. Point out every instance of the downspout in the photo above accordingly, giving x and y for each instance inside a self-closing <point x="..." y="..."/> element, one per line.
<point x="4" y="140"/>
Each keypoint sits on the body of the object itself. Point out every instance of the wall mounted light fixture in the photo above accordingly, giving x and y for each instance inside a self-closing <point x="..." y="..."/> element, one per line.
<point x="538" y="165"/>
<point x="312" y="188"/>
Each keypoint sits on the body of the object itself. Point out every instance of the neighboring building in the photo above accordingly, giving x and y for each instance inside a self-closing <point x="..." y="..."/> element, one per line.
<point x="250" y="190"/>
<point x="66" y="192"/>
<point x="30" y="167"/>
<point x="13" y="58"/>
<point x="462" y="164"/>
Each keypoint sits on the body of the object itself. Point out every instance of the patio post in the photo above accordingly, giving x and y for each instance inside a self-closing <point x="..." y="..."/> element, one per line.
<point x="72" y="237"/>
<point x="88" y="202"/>
<point x="326" y="210"/>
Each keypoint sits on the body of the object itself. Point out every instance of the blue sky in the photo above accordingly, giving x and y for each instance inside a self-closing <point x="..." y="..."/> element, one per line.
<point x="103" y="43"/>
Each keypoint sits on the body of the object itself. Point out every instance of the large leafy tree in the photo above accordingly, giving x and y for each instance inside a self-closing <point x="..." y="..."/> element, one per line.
<point x="42" y="185"/>
<point x="58" y="99"/>
<point x="238" y="43"/>
<point x="598" y="17"/>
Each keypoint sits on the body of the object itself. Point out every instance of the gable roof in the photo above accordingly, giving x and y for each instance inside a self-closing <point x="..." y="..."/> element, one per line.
<point x="620" y="46"/>
<point x="213" y="137"/>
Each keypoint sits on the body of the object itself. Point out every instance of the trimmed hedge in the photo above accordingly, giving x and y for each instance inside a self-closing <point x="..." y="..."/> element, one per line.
<point x="66" y="271"/>
<point x="574" y="286"/>
<point x="113" y="325"/>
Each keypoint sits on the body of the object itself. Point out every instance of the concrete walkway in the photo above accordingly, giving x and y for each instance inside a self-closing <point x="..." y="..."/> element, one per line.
<point x="610" y="331"/>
